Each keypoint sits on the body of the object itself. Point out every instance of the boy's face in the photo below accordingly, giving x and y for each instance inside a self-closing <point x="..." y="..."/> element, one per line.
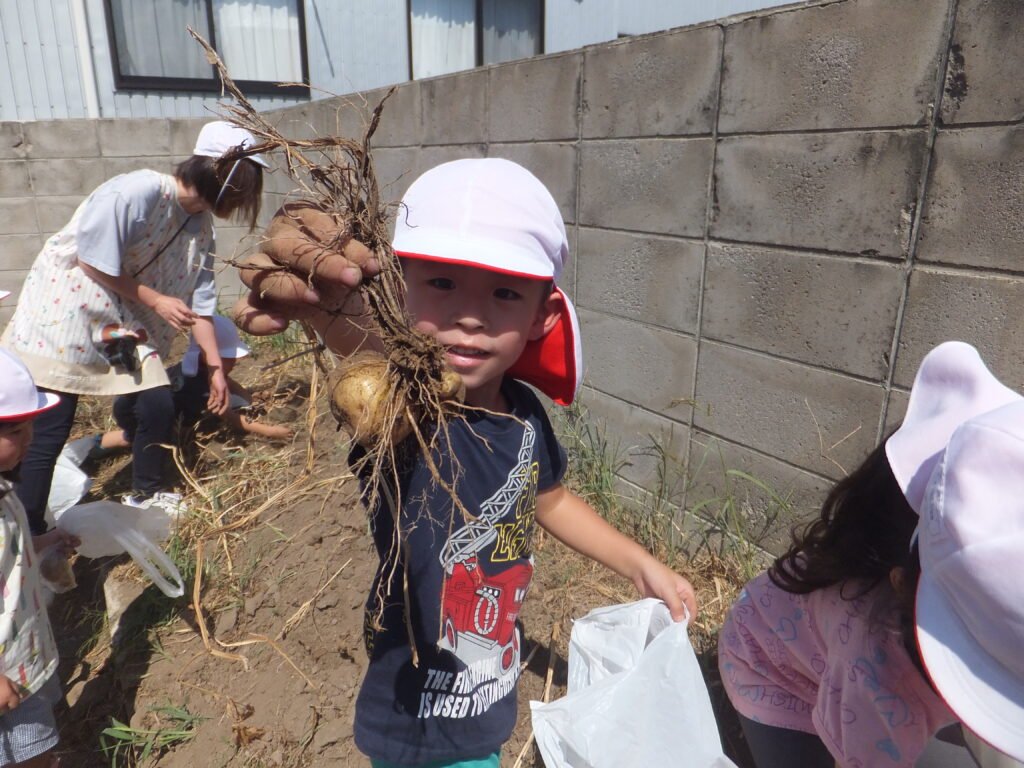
<point x="484" y="319"/>
<point x="14" y="440"/>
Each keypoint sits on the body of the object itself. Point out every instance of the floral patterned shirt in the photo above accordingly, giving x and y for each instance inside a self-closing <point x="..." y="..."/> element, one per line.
<point x="27" y="647"/>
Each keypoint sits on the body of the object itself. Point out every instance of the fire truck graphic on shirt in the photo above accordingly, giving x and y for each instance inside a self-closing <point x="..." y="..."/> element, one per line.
<point x="480" y="599"/>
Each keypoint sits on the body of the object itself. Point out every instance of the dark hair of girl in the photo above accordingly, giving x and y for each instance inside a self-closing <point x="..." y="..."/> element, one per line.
<point x="242" y="196"/>
<point x="862" y="533"/>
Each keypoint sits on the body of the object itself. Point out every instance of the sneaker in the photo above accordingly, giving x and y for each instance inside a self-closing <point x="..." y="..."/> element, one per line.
<point x="171" y="503"/>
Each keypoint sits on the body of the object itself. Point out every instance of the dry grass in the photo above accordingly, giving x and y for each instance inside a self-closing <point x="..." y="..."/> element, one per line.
<point x="229" y="482"/>
<point x="232" y="486"/>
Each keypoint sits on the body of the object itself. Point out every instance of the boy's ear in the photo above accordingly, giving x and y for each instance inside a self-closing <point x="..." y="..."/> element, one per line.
<point x="547" y="316"/>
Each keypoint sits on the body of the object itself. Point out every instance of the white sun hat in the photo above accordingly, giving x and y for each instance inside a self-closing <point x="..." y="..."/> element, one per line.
<point x="229" y="344"/>
<point x="218" y="138"/>
<point x="970" y="598"/>
<point x="19" y="398"/>
<point x="496" y="215"/>
<point x="952" y="385"/>
<point x="4" y="295"/>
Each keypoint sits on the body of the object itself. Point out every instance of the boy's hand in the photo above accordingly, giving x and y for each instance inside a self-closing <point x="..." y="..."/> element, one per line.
<point x="300" y="271"/>
<point x="10" y="697"/>
<point x="68" y="542"/>
<point x="656" y="580"/>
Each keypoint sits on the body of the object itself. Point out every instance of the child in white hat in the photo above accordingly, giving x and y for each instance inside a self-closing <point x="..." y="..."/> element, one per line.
<point x="826" y="656"/>
<point x="185" y="402"/>
<point x="482" y="246"/>
<point x="29" y="686"/>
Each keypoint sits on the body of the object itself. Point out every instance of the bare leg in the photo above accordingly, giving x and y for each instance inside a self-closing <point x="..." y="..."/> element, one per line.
<point x="114" y="439"/>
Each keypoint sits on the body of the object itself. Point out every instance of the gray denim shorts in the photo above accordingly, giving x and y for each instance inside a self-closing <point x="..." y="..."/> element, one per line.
<point x="30" y="729"/>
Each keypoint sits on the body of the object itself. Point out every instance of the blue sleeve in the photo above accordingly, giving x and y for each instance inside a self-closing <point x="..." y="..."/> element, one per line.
<point x="113" y="218"/>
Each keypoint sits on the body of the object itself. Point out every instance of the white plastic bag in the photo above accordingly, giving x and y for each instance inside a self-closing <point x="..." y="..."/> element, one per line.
<point x="108" y="528"/>
<point x="636" y="696"/>
<point x="69" y="485"/>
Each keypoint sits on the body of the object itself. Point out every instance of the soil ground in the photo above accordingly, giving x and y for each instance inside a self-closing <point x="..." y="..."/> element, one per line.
<point x="281" y="603"/>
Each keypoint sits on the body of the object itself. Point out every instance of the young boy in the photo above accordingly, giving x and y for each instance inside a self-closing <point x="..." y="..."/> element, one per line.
<point x="29" y="686"/>
<point x="482" y="245"/>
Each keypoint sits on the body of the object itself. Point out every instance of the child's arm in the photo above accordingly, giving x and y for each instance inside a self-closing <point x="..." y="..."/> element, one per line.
<point x="576" y="524"/>
<point x="10" y="697"/>
<point x="237" y="421"/>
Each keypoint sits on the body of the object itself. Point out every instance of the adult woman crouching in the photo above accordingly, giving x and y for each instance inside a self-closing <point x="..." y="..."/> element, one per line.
<point x="108" y="293"/>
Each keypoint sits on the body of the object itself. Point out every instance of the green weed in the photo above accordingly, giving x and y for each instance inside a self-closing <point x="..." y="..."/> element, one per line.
<point x="594" y="461"/>
<point x="732" y="520"/>
<point x="125" y="745"/>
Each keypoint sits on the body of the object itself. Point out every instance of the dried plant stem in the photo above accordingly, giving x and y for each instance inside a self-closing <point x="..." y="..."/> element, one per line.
<point x="335" y="176"/>
<point x="197" y="606"/>
<point x="296" y="618"/>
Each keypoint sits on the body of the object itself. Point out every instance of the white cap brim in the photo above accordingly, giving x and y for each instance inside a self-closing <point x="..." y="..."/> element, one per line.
<point x="983" y="694"/>
<point x="952" y="385"/>
<point x="47" y="400"/>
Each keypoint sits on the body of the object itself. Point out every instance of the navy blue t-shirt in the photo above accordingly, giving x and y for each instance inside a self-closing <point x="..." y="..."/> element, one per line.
<point x="467" y="581"/>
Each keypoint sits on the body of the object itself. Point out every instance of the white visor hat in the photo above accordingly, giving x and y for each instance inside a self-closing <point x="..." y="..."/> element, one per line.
<point x="229" y="345"/>
<point x="952" y="385"/>
<point x="496" y="215"/>
<point x="218" y="138"/>
<point x="970" y="597"/>
<point x="19" y="398"/>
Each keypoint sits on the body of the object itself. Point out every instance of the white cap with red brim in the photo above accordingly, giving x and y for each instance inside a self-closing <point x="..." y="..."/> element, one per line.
<point x="19" y="398"/>
<point x="496" y="215"/>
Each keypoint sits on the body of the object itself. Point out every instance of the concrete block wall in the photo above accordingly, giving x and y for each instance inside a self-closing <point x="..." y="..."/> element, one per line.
<point x="772" y="219"/>
<point x="47" y="168"/>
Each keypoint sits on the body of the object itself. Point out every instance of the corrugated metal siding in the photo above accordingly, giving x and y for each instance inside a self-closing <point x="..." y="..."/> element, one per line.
<point x="149" y="103"/>
<point x="352" y="46"/>
<point x="40" y="78"/>
<point x="355" y="46"/>
<point x="39" y="74"/>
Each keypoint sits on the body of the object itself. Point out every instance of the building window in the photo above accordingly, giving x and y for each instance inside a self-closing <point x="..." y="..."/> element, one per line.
<point x="262" y="43"/>
<point x="451" y="35"/>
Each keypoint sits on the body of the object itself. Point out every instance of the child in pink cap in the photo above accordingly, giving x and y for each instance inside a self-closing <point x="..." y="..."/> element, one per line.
<point x="483" y="246"/>
<point x="822" y="654"/>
